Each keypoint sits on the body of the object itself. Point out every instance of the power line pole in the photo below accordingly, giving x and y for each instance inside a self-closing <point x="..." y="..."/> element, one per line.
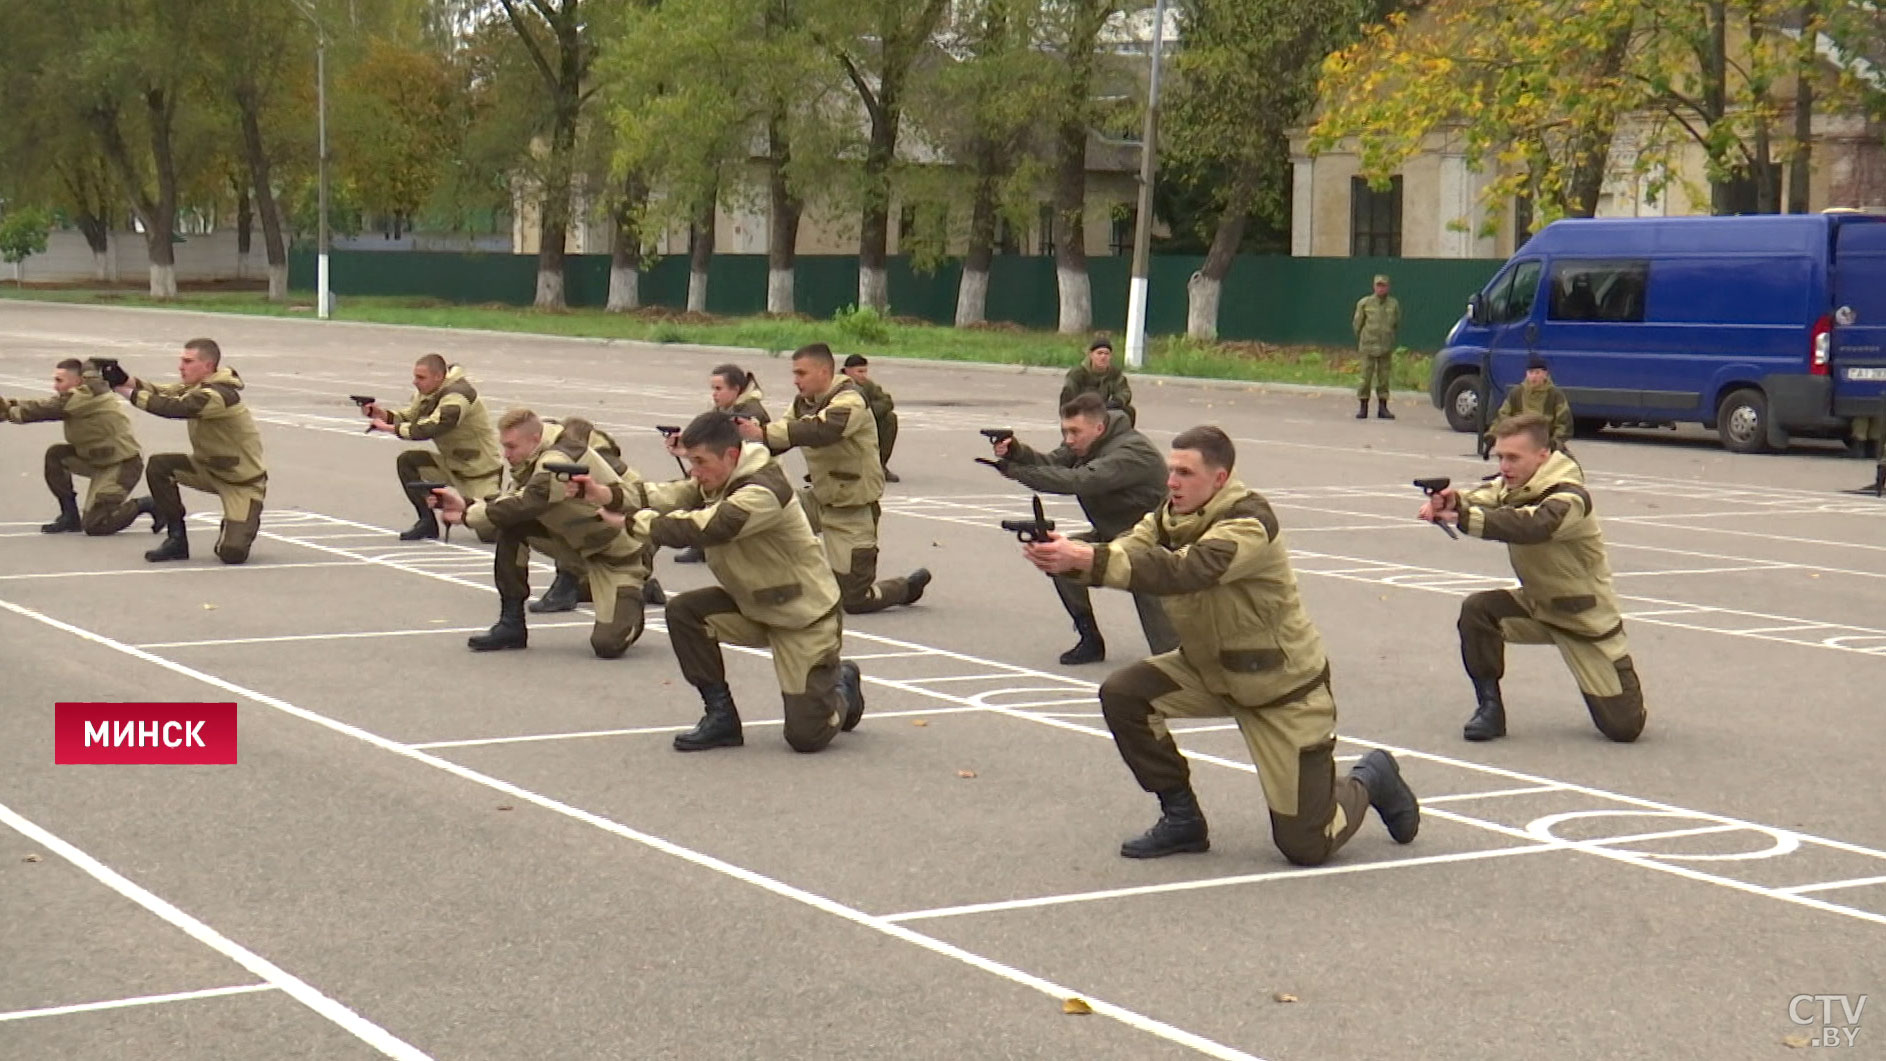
<point x="1143" y="223"/>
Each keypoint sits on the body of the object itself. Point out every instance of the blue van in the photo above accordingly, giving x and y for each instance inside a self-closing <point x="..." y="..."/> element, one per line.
<point x="1755" y="327"/>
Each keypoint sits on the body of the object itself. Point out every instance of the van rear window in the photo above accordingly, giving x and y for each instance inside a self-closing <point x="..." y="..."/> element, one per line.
<point x="1598" y="290"/>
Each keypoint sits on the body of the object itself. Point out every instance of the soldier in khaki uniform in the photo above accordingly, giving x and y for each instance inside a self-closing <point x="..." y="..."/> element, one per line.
<point x="447" y="410"/>
<point x="1376" y="322"/>
<point x="98" y="445"/>
<point x="736" y="392"/>
<point x="883" y="410"/>
<point x="1538" y="394"/>
<point x="537" y="513"/>
<point x="1540" y="508"/>
<point x="570" y="587"/>
<point x="776" y="589"/>
<point x="1214" y="554"/>
<point x="831" y="422"/>
<point x="225" y="455"/>
<point x="1097" y="374"/>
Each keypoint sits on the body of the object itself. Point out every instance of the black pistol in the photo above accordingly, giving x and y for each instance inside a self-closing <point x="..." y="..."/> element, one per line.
<point x="995" y="435"/>
<point x="565" y="470"/>
<point x="1030" y="530"/>
<point x="111" y="372"/>
<point x="426" y="487"/>
<point x="668" y="429"/>
<point x="1431" y="487"/>
<point x="363" y="400"/>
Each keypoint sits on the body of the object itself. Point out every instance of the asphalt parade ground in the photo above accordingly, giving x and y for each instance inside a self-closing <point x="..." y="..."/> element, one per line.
<point x="426" y="852"/>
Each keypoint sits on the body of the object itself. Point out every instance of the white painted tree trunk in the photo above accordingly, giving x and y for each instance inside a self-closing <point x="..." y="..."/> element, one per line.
<point x="1077" y="301"/>
<point x="163" y="281"/>
<point x="549" y="289"/>
<point x="697" y="292"/>
<point x="101" y="265"/>
<point x="779" y="291"/>
<point x="972" y="297"/>
<point x="874" y="289"/>
<point x="278" y="283"/>
<point x="1201" y="308"/>
<point x="625" y="288"/>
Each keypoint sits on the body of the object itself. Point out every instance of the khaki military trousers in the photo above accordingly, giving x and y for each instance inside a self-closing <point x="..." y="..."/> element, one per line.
<point x="1292" y="743"/>
<point x="1602" y="666"/>
<point x="850" y="538"/>
<point x="109" y="507"/>
<point x="1375" y="371"/>
<point x="421" y="465"/>
<point x="242" y="502"/>
<point x="615" y="585"/>
<point x="805" y="661"/>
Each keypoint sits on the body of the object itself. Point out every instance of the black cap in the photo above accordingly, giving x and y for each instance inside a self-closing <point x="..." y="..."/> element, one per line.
<point x="855" y="360"/>
<point x="1102" y="343"/>
<point x="1535" y="361"/>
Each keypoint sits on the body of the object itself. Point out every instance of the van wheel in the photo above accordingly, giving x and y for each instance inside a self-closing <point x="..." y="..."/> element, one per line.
<point x="1588" y="426"/>
<point x="1462" y="403"/>
<point x="1742" y="421"/>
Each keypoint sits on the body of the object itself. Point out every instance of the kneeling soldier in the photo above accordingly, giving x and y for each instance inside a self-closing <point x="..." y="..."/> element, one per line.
<point x="536" y="513"/>
<point x="225" y="455"/>
<point x="98" y="445"/>
<point x="776" y="589"/>
<point x="1214" y="554"/>
<point x="447" y="410"/>
<point x="570" y="588"/>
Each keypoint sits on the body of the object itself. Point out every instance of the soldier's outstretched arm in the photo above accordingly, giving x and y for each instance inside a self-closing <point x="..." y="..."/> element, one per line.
<point x="1561" y="509"/>
<point x="1111" y="471"/>
<point x="517" y="507"/>
<point x="843" y="416"/>
<point x="34" y="410"/>
<point x="632" y="497"/>
<point x="749" y="510"/>
<point x="177" y="402"/>
<point x="443" y="418"/>
<point x="1229" y="551"/>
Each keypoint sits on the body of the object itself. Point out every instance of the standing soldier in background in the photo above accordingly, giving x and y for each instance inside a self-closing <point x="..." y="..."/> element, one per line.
<point x="1097" y="374"/>
<point x="448" y="411"/>
<point x="225" y="455"/>
<point x="1540" y="508"/>
<point x="1118" y="476"/>
<point x="883" y="410"/>
<point x="1540" y="396"/>
<point x="98" y="445"/>
<point x="830" y="421"/>
<point x="736" y="392"/>
<point x="1377" y="320"/>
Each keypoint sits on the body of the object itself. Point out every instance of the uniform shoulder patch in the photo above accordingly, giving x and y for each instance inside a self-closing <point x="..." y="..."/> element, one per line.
<point x="1253" y="506"/>
<point x="1573" y="489"/>
<point x="231" y="396"/>
<point x="772" y="477"/>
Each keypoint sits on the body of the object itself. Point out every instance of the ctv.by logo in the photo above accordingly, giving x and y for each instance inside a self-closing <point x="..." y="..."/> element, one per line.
<point x="1836" y="1018"/>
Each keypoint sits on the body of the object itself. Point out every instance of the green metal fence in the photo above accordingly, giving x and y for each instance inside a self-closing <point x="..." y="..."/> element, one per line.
<point x="1274" y="299"/>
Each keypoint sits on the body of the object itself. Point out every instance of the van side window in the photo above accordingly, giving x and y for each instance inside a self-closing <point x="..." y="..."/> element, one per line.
<point x="1598" y="291"/>
<point x="1516" y="303"/>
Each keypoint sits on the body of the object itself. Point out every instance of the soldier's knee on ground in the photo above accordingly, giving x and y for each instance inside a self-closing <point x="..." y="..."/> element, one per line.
<point x="104" y="519"/>
<point x="238" y="536"/>
<point x="624" y="628"/>
<point x="1301" y="842"/>
<point x="810" y="720"/>
<point x="1621" y="717"/>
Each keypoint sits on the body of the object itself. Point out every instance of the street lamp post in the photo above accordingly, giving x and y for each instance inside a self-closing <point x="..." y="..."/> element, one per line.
<point x="323" y="300"/>
<point x="1143" y="224"/>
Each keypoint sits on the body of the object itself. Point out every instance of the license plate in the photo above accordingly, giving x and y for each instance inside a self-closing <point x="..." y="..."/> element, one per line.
<point x="1869" y="375"/>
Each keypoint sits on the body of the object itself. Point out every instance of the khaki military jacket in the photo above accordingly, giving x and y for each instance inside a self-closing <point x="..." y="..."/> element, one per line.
<point x="457" y="421"/>
<point x="537" y="496"/>
<point x="877" y="399"/>
<point x="1376" y="322"/>
<point x="1555" y="544"/>
<point x="578" y="430"/>
<point x="223" y="436"/>
<point x="840" y="439"/>
<point x="1223" y="576"/>
<point x="1113" y="388"/>
<point x="751" y="402"/>
<point x="1118" y="482"/>
<point x="754" y="533"/>
<point x="1548" y="401"/>
<point x="93" y="418"/>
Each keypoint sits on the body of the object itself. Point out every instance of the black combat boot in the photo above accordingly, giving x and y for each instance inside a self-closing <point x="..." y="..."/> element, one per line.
<point x="719" y="727"/>
<point x="891" y="476"/>
<point x="68" y="521"/>
<point x="1092" y="647"/>
<point x="509" y="631"/>
<point x="560" y="597"/>
<point x="691" y="555"/>
<point x="1180" y="828"/>
<point x="1362" y="413"/>
<point x="1389" y="794"/>
<point x="652" y="593"/>
<point x="147" y="507"/>
<point x="426" y="528"/>
<point x="1381" y="409"/>
<point x="851" y="687"/>
<point x="915" y="583"/>
<point x="175" y="546"/>
<point x="1489" y="719"/>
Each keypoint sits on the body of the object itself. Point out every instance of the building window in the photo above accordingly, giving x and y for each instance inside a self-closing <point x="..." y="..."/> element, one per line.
<point x="1374" y="219"/>
<point x="1121" y="242"/>
<point x="1598" y="291"/>
<point x="1047" y="230"/>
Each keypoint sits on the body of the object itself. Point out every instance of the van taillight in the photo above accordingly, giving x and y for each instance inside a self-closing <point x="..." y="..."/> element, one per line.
<point x="1820" y="346"/>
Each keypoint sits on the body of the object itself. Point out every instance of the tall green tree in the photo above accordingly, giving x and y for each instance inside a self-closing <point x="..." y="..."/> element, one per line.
<point x="556" y="36"/>
<point x="1072" y="31"/>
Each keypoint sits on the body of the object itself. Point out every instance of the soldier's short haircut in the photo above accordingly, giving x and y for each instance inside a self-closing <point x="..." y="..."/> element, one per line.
<point x="72" y="365"/>
<point x="733" y="375"/>
<point x="714" y="431"/>
<point x="815" y="352"/>
<point x="207" y="350"/>
<point x="1535" y="427"/>
<point x="1211" y="444"/>
<point x="520" y="418"/>
<point x="432" y="363"/>
<point x="1087" y="406"/>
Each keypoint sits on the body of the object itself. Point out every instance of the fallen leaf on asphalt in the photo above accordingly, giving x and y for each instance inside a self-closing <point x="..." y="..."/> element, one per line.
<point x="919" y="722"/>
<point x="1076" y="1006"/>
<point x="1797" y="1041"/>
<point x="965" y="773"/>
<point x="506" y="806"/>
<point x="209" y="607"/>
<point x="32" y="858"/>
<point x="435" y="620"/>
<point x="1282" y="997"/>
<point x="1813" y="574"/>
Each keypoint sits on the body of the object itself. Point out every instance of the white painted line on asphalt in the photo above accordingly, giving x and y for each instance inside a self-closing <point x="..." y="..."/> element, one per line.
<point x="1497" y="793"/>
<point x="142" y="1000"/>
<point x="173" y="569"/>
<point x="353" y="1023"/>
<point x="883" y="655"/>
<point x="369" y="634"/>
<point x="964" y="678"/>
<point x="1702" y="571"/>
<point x="1215" y="882"/>
<point x="1853" y="882"/>
<point x="393" y="1047"/>
<point x="648" y="730"/>
<point x="1667" y="834"/>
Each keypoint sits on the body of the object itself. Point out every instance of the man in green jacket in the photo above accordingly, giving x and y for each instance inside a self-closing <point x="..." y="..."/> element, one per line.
<point x="883" y="409"/>
<point x="98" y="445"/>
<point x="1540" y="508"/>
<point x="225" y="455"/>
<point x="1097" y="374"/>
<point x="1538" y="394"/>
<point x="1377" y="321"/>
<point x="446" y="410"/>
<point x="1118" y="476"/>
<point x="1213" y="552"/>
